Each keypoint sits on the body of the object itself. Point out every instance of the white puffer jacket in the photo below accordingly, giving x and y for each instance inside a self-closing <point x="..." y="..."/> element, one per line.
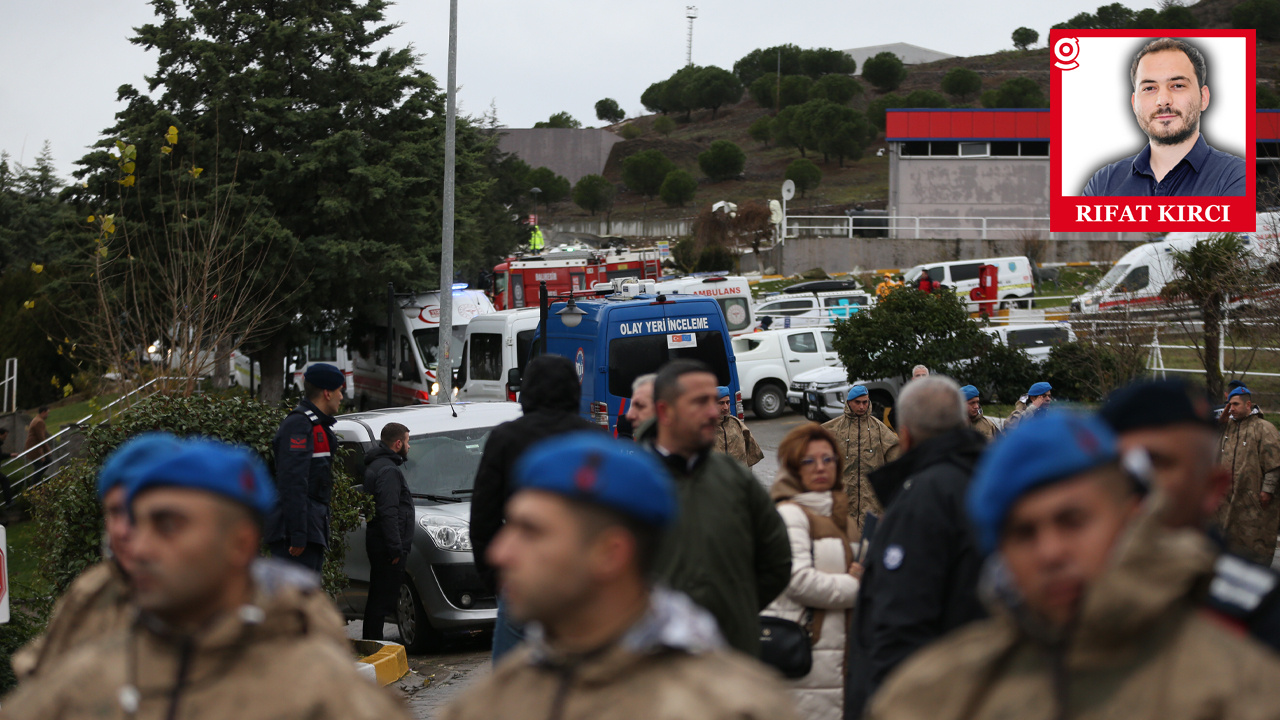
<point x="820" y="579"/>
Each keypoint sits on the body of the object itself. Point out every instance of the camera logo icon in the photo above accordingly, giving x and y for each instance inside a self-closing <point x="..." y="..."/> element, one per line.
<point x="1065" y="52"/>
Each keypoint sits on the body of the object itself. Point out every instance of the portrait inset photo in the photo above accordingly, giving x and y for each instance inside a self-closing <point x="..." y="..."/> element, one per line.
<point x="1153" y="131"/>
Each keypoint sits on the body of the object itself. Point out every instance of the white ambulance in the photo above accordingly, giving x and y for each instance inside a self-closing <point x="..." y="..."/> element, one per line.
<point x="732" y="293"/>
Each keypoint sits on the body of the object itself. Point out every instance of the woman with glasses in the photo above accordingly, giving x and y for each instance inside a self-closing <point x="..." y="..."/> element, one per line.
<point x="824" y="575"/>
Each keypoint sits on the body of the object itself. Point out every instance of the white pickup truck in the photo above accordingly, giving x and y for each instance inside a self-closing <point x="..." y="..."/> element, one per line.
<point x="768" y="360"/>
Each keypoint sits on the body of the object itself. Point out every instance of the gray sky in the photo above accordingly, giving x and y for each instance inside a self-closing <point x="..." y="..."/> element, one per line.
<point x="64" y="59"/>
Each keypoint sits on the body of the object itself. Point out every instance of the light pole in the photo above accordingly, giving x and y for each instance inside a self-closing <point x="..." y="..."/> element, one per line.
<point x="444" y="361"/>
<point x="535" y="192"/>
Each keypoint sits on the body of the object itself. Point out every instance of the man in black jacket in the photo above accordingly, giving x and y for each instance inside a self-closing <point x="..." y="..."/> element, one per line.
<point x="550" y="395"/>
<point x="390" y="534"/>
<point x="922" y="564"/>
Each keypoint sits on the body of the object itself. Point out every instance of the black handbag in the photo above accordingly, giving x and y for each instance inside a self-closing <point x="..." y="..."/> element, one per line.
<point x="786" y="645"/>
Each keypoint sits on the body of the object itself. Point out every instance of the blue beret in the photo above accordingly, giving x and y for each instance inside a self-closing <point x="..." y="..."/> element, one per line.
<point x="1156" y="403"/>
<point x="856" y="391"/>
<point x="1039" y="388"/>
<point x="722" y="392"/>
<point x="970" y="392"/>
<point x="325" y="376"/>
<point x="1235" y="384"/>
<point x="1242" y="390"/>
<point x="132" y="455"/>
<point x="1048" y="447"/>
<point x="595" y="468"/>
<point x="232" y="471"/>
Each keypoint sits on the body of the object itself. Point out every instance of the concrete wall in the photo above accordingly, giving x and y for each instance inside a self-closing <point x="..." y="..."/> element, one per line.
<point x="571" y="153"/>
<point x="841" y="255"/>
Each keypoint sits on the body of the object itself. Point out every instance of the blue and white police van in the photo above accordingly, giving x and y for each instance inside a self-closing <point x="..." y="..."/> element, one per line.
<point x="627" y="329"/>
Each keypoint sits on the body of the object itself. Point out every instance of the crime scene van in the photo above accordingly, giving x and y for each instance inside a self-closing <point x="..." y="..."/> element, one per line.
<point x="732" y="292"/>
<point x="626" y="330"/>
<point x="1016" y="279"/>
<point x="495" y="344"/>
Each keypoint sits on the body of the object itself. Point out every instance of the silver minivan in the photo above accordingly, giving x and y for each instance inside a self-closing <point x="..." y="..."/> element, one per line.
<point x="442" y="592"/>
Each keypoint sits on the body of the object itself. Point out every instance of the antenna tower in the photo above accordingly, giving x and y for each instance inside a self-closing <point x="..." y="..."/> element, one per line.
<point x="691" y="13"/>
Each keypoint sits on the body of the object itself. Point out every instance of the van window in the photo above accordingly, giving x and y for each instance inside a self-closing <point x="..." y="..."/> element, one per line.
<point x="968" y="271"/>
<point x="322" y="347"/>
<point x="802" y="343"/>
<point x="1136" y="280"/>
<point x="736" y="314"/>
<point x="785" y="307"/>
<point x="524" y="343"/>
<point x="1037" y="337"/>
<point x="631" y="357"/>
<point x="485" y="358"/>
<point x="828" y="341"/>
<point x="1112" y="277"/>
<point x="938" y="274"/>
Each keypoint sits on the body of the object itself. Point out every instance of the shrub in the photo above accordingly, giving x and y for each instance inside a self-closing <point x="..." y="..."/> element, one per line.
<point x="839" y="89"/>
<point x="926" y="99"/>
<point x="1019" y="92"/>
<point x="664" y="125"/>
<point x="631" y="131"/>
<point x="678" y="188"/>
<point x="885" y="71"/>
<point x="762" y="129"/>
<point x="593" y="193"/>
<point x="66" y="507"/>
<point x="804" y="174"/>
<point x="554" y="187"/>
<point x="763" y="89"/>
<point x="1003" y="373"/>
<point x="795" y="89"/>
<point x="714" y="87"/>
<point x="722" y="161"/>
<point x="645" y="171"/>
<point x="716" y="258"/>
<point x="1023" y="38"/>
<point x="962" y="83"/>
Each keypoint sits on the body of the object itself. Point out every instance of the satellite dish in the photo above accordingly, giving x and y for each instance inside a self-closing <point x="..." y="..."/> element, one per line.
<point x="788" y="190"/>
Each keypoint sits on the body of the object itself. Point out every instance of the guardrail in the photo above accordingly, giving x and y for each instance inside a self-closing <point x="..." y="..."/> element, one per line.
<point x="46" y="460"/>
<point x="896" y="225"/>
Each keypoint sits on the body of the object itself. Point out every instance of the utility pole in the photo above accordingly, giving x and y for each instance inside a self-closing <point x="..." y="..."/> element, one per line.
<point x="691" y="13"/>
<point x="444" y="363"/>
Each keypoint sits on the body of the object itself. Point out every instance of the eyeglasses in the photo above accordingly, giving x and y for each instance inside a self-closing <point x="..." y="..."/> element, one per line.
<point x="811" y="461"/>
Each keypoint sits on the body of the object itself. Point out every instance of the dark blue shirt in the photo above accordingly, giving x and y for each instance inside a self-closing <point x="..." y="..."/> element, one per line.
<point x="1204" y="171"/>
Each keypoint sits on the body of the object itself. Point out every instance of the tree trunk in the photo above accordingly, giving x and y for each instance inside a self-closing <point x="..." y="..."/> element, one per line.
<point x="222" y="364"/>
<point x="272" y="375"/>
<point x="1212" y="326"/>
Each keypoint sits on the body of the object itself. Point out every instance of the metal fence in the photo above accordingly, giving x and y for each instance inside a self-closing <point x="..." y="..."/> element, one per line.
<point x="914" y="226"/>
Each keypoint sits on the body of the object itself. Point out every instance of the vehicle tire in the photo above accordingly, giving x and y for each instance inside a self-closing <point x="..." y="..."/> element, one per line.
<point x="882" y="408"/>
<point x="416" y="632"/>
<point x="768" y="401"/>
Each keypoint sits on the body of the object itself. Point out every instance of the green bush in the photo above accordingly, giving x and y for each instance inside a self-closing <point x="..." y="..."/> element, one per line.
<point x="630" y="131"/>
<point x="1262" y="15"/>
<point x="1079" y="370"/>
<point x="678" y="188"/>
<point x="554" y="187"/>
<point x="644" y="171"/>
<point x="722" y="161"/>
<point x="763" y="90"/>
<point x="961" y="83"/>
<point x="885" y="71"/>
<point x="804" y="174"/>
<point x="664" y="125"/>
<point x="762" y="129"/>
<point x="839" y="89"/>
<point x="1019" y="92"/>
<point x="1001" y="372"/>
<point x="716" y="258"/>
<point x="66" y="507"/>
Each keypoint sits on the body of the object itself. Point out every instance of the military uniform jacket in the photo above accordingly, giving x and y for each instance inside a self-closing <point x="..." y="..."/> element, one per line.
<point x="304" y="447"/>
<point x="97" y="603"/>
<point x="985" y="427"/>
<point x="867" y="444"/>
<point x="734" y="439"/>
<point x="1251" y="449"/>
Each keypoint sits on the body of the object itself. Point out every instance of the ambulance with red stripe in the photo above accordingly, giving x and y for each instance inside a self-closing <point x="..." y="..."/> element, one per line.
<point x="732" y="293"/>
<point x="1136" y="281"/>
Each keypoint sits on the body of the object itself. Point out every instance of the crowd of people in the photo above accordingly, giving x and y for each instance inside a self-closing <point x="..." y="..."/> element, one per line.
<point x="1063" y="563"/>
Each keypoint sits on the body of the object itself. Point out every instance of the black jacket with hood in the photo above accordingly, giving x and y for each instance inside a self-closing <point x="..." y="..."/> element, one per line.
<point x="922" y="563"/>
<point x="392" y="528"/>
<point x="550" y="395"/>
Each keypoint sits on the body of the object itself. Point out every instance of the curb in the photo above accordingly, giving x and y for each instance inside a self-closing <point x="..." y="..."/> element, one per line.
<point x="383" y="662"/>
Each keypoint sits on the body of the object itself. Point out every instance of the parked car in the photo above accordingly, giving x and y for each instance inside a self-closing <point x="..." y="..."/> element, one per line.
<point x="442" y="592"/>
<point x="819" y="394"/>
<point x="767" y="361"/>
<point x="1037" y="339"/>
<point x="811" y="309"/>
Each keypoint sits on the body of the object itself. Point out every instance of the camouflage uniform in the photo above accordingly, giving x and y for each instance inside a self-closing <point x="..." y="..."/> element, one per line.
<point x="867" y="444"/>
<point x="735" y="440"/>
<point x="1018" y="416"/>
<point x="1251" y="449"/>
<point x="985" y="427"/>
<point x="96" y="604"/>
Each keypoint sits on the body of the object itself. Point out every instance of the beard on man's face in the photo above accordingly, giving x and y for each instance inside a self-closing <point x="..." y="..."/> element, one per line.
<point x="1173" y="134"/>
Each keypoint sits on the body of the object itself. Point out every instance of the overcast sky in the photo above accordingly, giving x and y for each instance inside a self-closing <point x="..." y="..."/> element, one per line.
<point x="63" y="60"/>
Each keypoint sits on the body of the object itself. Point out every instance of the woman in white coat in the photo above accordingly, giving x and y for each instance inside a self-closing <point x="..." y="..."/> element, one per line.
<point x="824" y="576"/>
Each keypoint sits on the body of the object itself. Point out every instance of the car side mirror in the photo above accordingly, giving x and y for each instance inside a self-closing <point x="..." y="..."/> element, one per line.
<point x="513" y="379"/>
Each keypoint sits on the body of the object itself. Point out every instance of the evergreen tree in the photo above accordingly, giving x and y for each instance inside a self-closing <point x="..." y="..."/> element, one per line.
<point x="678" y="188"/>
<point x="594" y="194"/>
<point x="644" y="171"/>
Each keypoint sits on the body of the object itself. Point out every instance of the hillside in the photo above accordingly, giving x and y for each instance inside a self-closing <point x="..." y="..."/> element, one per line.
<point x="864" y="182"/>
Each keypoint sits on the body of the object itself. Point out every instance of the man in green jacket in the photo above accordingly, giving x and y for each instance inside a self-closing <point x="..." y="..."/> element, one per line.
<point x="728" y="550"/>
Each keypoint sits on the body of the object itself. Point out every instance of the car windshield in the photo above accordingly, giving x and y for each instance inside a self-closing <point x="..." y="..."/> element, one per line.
<point x="1112" y="277"/>
<point x="444" y="463"/>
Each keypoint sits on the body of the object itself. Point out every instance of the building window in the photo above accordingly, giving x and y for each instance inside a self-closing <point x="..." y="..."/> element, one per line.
<point x="1004" y="148"/>
<point x="1268" y="150"/>
<point x="974" y="149"/>
<point x="914" y="148"/>
<point x="944" y="148"/>
<point x="1035" y="149"/>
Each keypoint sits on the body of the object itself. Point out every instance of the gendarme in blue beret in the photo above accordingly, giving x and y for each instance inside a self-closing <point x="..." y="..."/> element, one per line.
<point x="1242" y="390"/>
<point x="970" y="392"/>
<point x="324" y="376"/>
<point x="1039" y="389"/>
<point x="1051" y="446"/>
<point x="232" y="471"/>
<point x="856" y="391"/>
<point x="722" y="392"/>
<point x="593" y="467"/>
<point x="133" y="456"/>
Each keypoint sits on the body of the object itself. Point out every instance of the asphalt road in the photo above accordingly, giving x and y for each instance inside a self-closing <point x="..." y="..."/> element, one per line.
<point x="436" y="678"/>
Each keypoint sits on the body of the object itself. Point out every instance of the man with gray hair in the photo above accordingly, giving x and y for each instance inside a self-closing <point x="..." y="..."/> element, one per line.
<point x="919" y="371"/>
<point x="922" y="565"/>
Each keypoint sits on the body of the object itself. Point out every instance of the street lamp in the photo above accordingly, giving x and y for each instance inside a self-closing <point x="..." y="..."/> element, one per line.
<point x="535" y="192"/>
<point x="571" y="315"/>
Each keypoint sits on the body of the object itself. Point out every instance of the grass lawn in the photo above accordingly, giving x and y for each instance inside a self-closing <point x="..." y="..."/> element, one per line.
<point x="24" y="564"/>
<point x="1072" y="281"/>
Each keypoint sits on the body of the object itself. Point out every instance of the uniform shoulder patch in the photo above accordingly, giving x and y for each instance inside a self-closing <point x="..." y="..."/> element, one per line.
<point x="298" y="443"/>
<point x="1239" y="586"/>
<point x="893" y="557"/>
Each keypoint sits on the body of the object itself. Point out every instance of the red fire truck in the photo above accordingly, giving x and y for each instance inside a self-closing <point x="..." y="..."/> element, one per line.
<point x="515" y="282"/>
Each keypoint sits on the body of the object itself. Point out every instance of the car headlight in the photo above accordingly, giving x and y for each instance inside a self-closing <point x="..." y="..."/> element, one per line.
<point x="447" y="533"/>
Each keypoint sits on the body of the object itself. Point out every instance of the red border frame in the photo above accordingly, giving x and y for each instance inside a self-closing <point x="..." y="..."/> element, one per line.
<point x="1241" y="211"/>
